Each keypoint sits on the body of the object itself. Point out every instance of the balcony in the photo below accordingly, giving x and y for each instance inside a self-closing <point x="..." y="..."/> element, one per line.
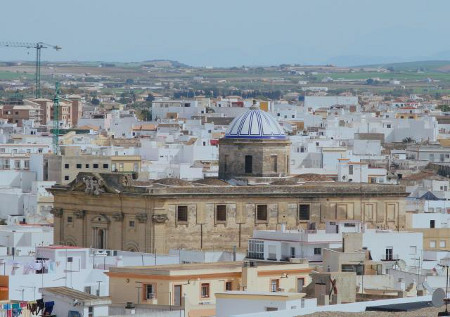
<point x="390" y="257"/>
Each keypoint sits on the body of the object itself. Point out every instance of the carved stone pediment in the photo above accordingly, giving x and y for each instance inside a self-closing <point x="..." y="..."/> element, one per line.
<point x="80" y="214"/>
<point x="160" y="218"/>
<point x="93" y="185"/>
<point x="117" y="216"/>
<point x="56" y="212"/>
<point x="141" y="217"/>
<point x="100" y="219"/>
<point x="125" y="180"/>
<point x="96" y="184"/>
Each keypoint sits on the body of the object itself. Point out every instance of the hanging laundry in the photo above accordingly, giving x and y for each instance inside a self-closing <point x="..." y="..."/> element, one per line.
<point x="74" y="313"/>
<point x="16" y="312"/>
<point x="40" y="305"/>
<point x="49" y="307"/>
<point x="37" y="266"/>
<point x="32" y="307"/>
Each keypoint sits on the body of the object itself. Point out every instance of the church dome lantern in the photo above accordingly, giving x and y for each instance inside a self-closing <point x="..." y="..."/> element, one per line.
<point x="255" y="146"/>
<point x="255" y="124"/>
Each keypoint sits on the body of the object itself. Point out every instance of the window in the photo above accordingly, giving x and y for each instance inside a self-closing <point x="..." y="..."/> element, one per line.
<point x="272" y="252"/>
<point x="182" y="214"/>
<point x="205" y="290"/>
<point x="300" y="284"/>
<point x="91" y="311"/>
<point x="442" y="244"/>
<point x="221" y="213"/>
<point x="271" y="308"/>
<point x="16" y="164"/>
<point x="317" y="251"/>
<point x="131" y="223"/>
<point x="87" y="165"/>
<point x="274" y="285"/>
<point x="105" y="165"/>
<point x="78" y="166"/>
<point x="350" y="169"/>
<point x="225" y="163"/>
<point x="261" y="213"/>
<point x="274" y="163"/>
<point x="87" y="289"/>
<point x="66" y="178"/>
<point x="66" y="165"/>
<point x="256" y="249"/>
<point x="150" y="291"/>
<point x="248" y="164"/>
<point x="292" y="252"/>
<point x="433" y="244"/>
<point x="26" y="164"/>
<point x="389" y="254"/>
<point x="95" y="165"/>
<point x="69" y="219"/>
<point x="303" y="212"/>
<point x="228" y="286"/>
<point x="412" y="250"/>
<point x="432" y="223"/>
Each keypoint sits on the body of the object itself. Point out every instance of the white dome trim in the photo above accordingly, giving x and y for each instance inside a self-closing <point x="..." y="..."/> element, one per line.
<point x="255" y="124"/>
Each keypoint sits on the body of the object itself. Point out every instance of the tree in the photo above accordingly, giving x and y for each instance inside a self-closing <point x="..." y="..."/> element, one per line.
<point x="407" y="140"/>
<point x="150" y="98"/>
<point x="95" y="101"/>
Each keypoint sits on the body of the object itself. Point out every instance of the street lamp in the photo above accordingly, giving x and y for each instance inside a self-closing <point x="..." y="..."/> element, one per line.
<point x="445" y="262"/>
<point x="139" y="291"/>
<point x="362" y="277"/>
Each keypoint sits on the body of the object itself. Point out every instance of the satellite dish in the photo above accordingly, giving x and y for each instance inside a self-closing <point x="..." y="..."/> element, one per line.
<point x="401" y="264"/>
<point x="438" y="297"/>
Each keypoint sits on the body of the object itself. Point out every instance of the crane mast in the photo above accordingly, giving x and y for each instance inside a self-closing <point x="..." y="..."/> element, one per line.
<point x="56" y="120"/>
<point x="38" y="46"/>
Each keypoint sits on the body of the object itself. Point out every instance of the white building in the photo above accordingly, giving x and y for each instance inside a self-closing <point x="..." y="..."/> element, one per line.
<point x="71" y="302"/>
<point x="236" y="303"/>
<point x="315" y="102"/>
<point x="284" y="244"/>
<point x="383" y="245"/>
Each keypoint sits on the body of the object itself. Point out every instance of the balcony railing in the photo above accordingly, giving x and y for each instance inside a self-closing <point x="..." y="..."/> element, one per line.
<point x="391" y="257"/>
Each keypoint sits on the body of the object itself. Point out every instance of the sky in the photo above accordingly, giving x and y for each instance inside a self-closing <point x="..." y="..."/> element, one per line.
<point x="229" y="32"/>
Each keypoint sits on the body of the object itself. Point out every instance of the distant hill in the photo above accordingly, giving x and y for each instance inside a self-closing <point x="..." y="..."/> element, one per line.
<point x="164" y="63"/>
<point x="430" y="66"/>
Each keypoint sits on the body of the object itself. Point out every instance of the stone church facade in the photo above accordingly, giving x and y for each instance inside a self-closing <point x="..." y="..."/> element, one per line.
<point x="114" y="214"/>
<point x="255" y="191"/>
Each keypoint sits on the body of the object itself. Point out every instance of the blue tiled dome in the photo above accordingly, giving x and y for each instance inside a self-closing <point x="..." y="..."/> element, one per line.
<point x="255" y="124"/>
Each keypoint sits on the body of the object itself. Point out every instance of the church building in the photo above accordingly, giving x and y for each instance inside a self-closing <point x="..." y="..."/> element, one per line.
<point x="254" y="191"/>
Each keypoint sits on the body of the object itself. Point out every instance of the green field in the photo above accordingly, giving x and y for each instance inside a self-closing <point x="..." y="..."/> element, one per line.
<point x="405" y="76"/>
<point x="11" y="75"/>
